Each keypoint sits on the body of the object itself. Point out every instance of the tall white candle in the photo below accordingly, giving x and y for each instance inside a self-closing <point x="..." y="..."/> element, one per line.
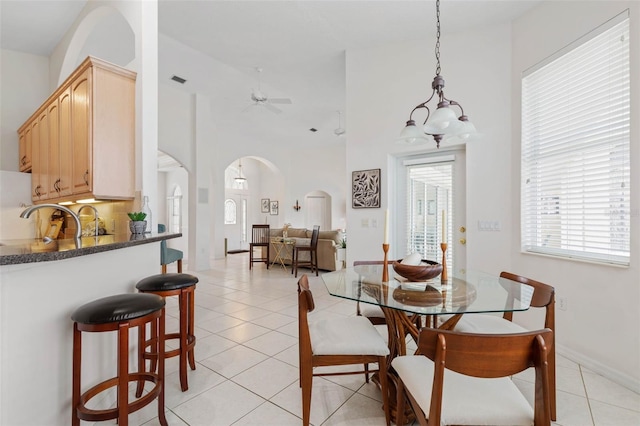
<point x="386" y="227"/>
<point x="444" y="227"/>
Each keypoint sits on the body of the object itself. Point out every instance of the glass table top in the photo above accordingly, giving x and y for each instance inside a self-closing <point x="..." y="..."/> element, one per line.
<point x="471" y="292"/>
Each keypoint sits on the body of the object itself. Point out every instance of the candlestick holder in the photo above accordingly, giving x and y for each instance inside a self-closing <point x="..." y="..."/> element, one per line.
<point x="443" y="276"/>
<point x="385" y="264"/>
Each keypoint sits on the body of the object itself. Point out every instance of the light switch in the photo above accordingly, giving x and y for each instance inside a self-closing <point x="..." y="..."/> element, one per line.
<point x="374" y="223"/>
<point x="364" y="223"/>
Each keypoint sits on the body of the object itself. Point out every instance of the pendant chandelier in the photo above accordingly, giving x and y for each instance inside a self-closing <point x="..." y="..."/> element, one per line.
<point x="240" y="179"/>
<point x="441" y="123"/>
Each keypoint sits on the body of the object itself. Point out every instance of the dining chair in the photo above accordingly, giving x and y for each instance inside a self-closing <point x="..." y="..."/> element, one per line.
<point x="372" y="312"/>
<point x="463" y="378"/>
<point x="334" y="342"/>
<point x="168" y="255"/>
<point x="543" y="297"/>
<point x="260" y="237"/>
<point x="312" y="248"/>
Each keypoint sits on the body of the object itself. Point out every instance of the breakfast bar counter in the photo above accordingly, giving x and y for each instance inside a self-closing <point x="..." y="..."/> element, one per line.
<point x="40" y="287"/>
<point x="13" y="252"/>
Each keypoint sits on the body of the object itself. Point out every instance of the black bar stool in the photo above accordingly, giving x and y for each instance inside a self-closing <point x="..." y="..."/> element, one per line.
<point x="183" y="286"/>
<point x="119" y="313"/>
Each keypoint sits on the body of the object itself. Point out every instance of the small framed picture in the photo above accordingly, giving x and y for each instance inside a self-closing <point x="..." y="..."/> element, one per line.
<point x="265" y="205"/>
<point x="274" y="207"/>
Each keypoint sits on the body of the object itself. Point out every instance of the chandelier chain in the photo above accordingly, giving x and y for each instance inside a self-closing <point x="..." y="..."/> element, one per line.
<point x="438" y="37"/>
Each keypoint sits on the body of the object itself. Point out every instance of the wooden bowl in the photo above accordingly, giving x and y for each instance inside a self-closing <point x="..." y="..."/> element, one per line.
<point x="424" y="298"/>
<point x="426" y="270"/>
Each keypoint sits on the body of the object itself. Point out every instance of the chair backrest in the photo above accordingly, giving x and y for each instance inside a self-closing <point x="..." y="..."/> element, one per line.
<point x="314" y="237"/>
<point x="543" y="297"/>
<point x="488" y="356"/>
<point x="305" y="305"/>
<point x="161" y="227"/>
<point x="260" y="234"/>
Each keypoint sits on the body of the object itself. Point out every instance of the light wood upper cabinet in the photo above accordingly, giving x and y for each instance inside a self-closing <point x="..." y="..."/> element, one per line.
<point x="60" y="167"/>
<point x="24" y="140"/>
<point x="89" y="142"/>
<point x="40" y="161"/>
<point x="80" y="133"/>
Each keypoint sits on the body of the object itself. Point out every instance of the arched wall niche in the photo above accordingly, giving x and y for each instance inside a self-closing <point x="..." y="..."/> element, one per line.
<point x="104" y="33"/>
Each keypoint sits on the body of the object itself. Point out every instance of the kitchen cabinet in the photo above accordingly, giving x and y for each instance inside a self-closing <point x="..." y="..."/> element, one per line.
<point x="60" y="156"/>
<point x="89" y="140"/>
<point x="24" y="140"/>
<point x="40" y="161"/>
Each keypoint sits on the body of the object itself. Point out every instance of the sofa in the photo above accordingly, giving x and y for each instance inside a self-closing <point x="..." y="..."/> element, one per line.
<point x="328" y="245"/>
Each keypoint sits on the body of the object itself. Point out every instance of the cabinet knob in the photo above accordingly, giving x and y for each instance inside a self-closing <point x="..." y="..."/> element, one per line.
<point x="37" y="191"/>
<point x="23" y="160"/>
<point x="463" y="241"/>
<point x="463" y="229"/>
<point x="86" y="177"/>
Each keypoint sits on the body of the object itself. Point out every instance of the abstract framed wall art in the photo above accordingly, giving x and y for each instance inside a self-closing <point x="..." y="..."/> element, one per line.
<point x="365" y="189"/>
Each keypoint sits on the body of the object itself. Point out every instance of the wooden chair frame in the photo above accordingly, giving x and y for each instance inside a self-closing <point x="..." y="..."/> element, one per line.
<point x="308" y="360"/>
<point x="312" y="248"/>
<point x="481" y="355"/>
<point x="259" y="238"/>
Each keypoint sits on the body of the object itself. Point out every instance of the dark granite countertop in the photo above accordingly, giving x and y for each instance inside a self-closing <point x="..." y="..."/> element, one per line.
<point x="14" y="252"/>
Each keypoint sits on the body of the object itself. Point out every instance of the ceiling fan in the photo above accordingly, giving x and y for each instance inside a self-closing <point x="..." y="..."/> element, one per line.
<point x="261" y="99"/>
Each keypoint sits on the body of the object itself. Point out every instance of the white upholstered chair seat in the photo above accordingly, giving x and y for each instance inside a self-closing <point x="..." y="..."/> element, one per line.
<point x="465" y="400"/>
<point x="346" y="336"/>
<point x="490" y="324"/>
<point x="371" y="311"/>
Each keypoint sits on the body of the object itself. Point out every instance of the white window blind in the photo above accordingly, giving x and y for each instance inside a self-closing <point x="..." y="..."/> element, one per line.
<point x="575" y="149"/>
<point x="429" y="193"/>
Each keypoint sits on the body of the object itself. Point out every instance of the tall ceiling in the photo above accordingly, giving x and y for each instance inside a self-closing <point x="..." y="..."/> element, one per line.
<point x="300" y="45"/>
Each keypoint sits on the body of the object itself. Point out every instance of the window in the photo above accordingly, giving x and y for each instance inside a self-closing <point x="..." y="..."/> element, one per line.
<point x="575" y="183"/>
<point x="174" y="210"/>
<point x="430" y="183"/>
<point x="229" y="212"/>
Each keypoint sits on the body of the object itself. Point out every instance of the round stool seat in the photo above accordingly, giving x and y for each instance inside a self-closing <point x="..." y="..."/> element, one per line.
<point x="166" y="282"/>
<point x="121" y="307"/>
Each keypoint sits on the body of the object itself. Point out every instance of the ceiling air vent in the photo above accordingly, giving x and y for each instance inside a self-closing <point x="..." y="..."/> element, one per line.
<point x="178" y="79"/>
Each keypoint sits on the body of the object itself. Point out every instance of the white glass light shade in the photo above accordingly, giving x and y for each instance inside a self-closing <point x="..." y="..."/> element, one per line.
<point x="467" y="130"/>
<point x="411" y="134"/>
<point x="443" y="121"/>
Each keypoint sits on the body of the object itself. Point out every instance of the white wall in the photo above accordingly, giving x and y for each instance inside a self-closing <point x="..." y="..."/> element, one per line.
<point x="601" y="326"/>
<point x="482" y="70"/>
<point x="25" y="86"/>
<point x="220" y="144"/>
<point x="380" y="96"/>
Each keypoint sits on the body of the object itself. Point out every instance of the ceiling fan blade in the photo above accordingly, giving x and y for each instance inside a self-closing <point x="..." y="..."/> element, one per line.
<point x="248" y="107"/>
<point x="271" y="108"/>
<point x="283" y="101"/>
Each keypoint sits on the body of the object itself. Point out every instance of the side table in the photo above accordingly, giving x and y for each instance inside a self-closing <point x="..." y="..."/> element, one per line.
<point x="284" y="250"/>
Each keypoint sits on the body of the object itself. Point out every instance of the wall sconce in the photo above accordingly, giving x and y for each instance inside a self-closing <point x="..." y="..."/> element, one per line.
<point x="297" y="207"/>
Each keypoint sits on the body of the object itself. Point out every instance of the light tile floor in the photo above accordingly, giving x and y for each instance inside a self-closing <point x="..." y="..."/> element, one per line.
<point x="247" y="363"/>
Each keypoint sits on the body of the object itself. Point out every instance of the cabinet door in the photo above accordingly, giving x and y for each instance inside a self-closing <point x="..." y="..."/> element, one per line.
<point x="80" y="134"/>
<point x="53" y="151"/>
<point x="63" y="154"/>
<point x="24" y="139"/>
<point x="40" y="169"/>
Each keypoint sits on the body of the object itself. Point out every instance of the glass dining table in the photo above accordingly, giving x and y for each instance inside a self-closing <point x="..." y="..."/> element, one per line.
<point x="407" y="306"/>
<point x="436" y="302"/>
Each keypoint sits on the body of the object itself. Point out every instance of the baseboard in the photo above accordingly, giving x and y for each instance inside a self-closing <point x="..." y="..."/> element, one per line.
<point x="604" y="370"/>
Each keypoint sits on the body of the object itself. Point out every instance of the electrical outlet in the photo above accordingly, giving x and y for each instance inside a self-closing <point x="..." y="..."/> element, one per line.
<point x="562" y="303"/>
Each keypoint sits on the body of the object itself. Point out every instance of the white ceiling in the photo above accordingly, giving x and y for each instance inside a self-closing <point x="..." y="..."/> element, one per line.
<point x="300" y="45"/>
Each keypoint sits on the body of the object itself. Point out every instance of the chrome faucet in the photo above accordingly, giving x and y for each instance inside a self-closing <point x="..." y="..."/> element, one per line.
<point x="95" y="215"/>
<point x="27" y="212"/>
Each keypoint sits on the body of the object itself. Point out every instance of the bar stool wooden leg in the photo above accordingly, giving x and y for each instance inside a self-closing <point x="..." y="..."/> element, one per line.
<point x="123" y="373"/>
<point x="77" y="361"/>
<point x="192" y="358"/>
